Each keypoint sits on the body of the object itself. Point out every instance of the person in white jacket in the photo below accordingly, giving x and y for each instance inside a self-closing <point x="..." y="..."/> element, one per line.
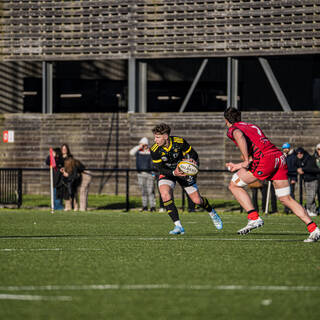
<point x="145" y="178"/>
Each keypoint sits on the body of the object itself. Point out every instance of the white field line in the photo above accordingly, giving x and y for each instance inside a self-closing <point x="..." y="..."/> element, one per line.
<point x="106" y="287"/>
<point x="49" y="249"/>
<point x="26" y="297"/>
<point x="139" y="238"/>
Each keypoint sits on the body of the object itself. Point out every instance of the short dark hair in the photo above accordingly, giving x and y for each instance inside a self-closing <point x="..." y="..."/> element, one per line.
<point x="161" y="128"/>
<point x="233" y="115"/>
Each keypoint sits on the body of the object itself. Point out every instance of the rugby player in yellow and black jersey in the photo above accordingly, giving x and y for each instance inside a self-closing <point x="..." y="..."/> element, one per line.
<point x="166" y="153"/>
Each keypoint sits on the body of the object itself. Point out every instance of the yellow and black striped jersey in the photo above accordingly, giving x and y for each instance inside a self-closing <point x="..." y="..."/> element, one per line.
<point x="165" y="159"/>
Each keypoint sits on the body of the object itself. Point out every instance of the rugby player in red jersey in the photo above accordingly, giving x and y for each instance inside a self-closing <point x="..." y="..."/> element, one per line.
<point x="267" y="162"/>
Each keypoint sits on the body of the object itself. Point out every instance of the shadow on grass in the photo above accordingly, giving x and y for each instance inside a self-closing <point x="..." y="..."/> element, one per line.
<point x="117" y="206"/>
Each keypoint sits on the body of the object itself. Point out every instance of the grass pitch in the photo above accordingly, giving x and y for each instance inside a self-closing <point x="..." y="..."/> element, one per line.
<point x="115" y="265"/>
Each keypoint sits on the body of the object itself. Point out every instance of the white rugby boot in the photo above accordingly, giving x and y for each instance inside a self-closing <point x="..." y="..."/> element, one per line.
<point x="314" y="236"/>
<point x="252" y="224"/>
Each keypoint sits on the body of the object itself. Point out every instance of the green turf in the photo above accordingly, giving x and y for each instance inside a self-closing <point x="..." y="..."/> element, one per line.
<point x="113" y="202"/>
<point x="126" y="249"/>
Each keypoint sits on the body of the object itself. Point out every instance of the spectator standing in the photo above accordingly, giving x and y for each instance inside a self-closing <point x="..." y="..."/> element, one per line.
<point x="145" y="178"/>
<point x="57" y="179"/>
<point x="317" y="159"/>
<point x="78" y="182"/>
<point x="309" y="171"/>
<point x="83" y="189"/>
<point x="65" y="151"/>
<point x="72" y="179"/>
<point x="291" y="158"/>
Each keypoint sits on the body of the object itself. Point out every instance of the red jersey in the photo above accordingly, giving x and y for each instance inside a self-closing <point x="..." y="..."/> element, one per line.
<point x="258" y="144"/>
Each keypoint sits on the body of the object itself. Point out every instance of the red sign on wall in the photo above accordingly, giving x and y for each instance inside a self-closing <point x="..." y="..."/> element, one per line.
<point x="8" y="136"/>
<point x="5" y="136"/>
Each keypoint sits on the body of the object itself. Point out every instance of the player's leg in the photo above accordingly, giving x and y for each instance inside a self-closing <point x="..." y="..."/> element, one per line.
<point x="311" y="190"/>
<point x="144" y="192"/>
<point x="239" y="180"/>
<point x="166" y="187"/>
<point x="282" y="190"/>
<point x="195" y="196"/>
<point x="150" y="189"/>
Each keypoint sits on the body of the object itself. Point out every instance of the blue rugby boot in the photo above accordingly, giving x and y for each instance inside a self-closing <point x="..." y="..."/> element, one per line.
<point x="216" y="219"/>
<point x="177" y="230"/>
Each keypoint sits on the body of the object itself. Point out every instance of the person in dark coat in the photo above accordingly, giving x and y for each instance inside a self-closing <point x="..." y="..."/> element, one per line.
<point x="72" y="171"/>
<point x="317" y="160"/>
<point x="57" y="178"/>
<point x="309" y="171"/>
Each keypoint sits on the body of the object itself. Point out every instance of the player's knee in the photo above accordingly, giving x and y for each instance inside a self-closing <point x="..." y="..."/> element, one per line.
<point x="231" y="186"/>
<point x="285" y="200"/>
<point x="165" y="196"/>
<point x="236" y="182"/>
<point x="197" y="201"/>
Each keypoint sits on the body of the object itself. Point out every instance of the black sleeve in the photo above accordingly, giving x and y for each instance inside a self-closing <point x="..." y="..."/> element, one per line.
<point x="81" y="167"/>
<point x="310" y="166"/>
<point x="162" y="169"/>
<point x="189" y="152"/>
<point x="158" y="164"/>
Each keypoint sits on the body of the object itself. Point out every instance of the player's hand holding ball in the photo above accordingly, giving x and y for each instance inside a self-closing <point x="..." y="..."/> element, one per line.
<point x="188" y="166"/>
<point x="178" y="173"/>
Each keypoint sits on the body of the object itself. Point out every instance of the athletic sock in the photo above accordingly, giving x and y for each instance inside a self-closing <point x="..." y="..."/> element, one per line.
<point x="253" y="215"/>
<point x="311" y="226"/>
<point x="206" y="205"/>
<point x="172" y="210"/>
<point x="178" y="223"/>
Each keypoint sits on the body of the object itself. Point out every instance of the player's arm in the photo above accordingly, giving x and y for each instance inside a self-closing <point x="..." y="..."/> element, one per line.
<point x="243" y="146"/>
<point x="189" y="153"/>
<point x="158" y="164"/>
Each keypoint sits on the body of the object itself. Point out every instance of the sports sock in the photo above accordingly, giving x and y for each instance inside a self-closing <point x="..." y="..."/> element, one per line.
<point x="311" y="226"/>
<point x="178" y="223"/>
<point x="172" y="210"/>
<point x="205" y="204"/>
<point x="253" y="215"/>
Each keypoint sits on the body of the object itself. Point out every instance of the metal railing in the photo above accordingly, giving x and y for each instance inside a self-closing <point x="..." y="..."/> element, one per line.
<point x="11" y="186"/>
<point x="114" y="170"/>
<point x="11" y="183"/>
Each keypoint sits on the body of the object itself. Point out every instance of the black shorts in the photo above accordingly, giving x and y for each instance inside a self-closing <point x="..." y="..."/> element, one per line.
<point x="184" y="182"/>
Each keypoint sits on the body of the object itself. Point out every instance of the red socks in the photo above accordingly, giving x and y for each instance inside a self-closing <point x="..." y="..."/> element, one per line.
<point x="311" y="226"/>
<point x="253" y="215"/>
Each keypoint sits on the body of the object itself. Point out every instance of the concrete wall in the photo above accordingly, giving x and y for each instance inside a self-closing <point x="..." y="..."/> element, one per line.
<point x="104" y="140"/>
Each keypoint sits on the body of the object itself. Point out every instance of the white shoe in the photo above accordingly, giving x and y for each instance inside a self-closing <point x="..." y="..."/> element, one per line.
<point x="252" y="224"/>
<point x="314" y="236"/>
<point x="161" y="210"/>
<point x="311" y="214"/>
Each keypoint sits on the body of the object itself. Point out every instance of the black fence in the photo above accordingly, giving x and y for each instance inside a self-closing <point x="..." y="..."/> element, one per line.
<point x="11" y="183"/>
<point x="11" y="186"/>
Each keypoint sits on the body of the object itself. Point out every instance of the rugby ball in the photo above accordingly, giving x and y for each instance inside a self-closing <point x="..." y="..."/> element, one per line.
<point x="188" y="167"/>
